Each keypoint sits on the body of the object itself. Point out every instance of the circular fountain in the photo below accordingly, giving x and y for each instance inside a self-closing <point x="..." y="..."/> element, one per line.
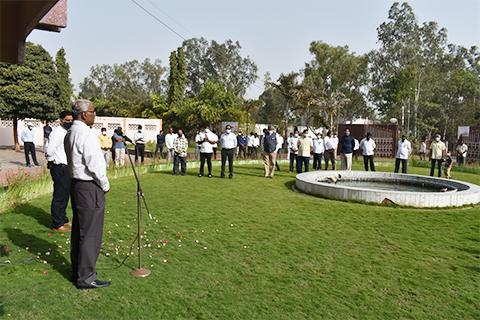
<point x="389" y="188"/>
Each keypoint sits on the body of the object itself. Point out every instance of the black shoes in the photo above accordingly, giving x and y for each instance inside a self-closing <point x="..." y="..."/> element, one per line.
<point x="95" y="284"/>
<point x="209" y="175"/>
<point x="230" y="176"/>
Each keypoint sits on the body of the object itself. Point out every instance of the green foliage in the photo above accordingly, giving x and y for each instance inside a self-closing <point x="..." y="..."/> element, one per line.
<point x="177" y="78"/>
<point x="30" y="90"/>
<point x="217" y="62"/>
<point x="65" y="85"/>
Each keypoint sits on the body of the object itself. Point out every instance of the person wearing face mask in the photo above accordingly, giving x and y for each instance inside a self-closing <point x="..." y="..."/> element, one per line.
<point x="304" y="150"/>
<point x="269" y="152"/>
<point x="180" y="146"/>
<point x="293" y="150"/>
<point x="106" y="145"/>
<point x="318" y="150"/>
<point x="368" y="146"/>
<point x="347" y="144"/>
<point x="139" y="138"/>
<point x="57" y="163"/>
<point x="228" y="141"/>
<point x="404" y="148"/>
<point x="329" y="150"/>
<point x="437" y="153"/>
<point x="28" y="138"/>
<point x="206" y="140"/>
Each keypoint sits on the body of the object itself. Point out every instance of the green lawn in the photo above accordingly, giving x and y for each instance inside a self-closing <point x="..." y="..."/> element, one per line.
<point x="249" y="248"/>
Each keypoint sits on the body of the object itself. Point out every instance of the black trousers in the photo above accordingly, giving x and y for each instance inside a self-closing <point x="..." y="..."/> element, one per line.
<point x="317" y="161"/>
<point x="366" y="160"/>
<point x="203" y="157"/>
<point x="179" y="161"/>
<point x="227" y="154"/>
<point x="303" y="162"/>
<point x="432" y="167"/>
<point x="61" y="193"/>
<point x="139" y="152"/>
<point x="242" y="149"/>
<point x="88" y="204"/>
<point x="330" y="156"/>
<point x="29" y="148"/>
<point x="293" y="159"/>
<point x="404" y="163"/>
<point x="159" y="149"/>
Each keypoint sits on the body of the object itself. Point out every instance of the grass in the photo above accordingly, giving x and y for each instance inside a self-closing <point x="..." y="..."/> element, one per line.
<point x="249" y="248"/>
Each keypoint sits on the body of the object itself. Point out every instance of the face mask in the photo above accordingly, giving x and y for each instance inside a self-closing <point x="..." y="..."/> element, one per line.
<point x="228" y="130"/>
<point x="437" y="139"/>
<point x="67" y="125"/>
<point x="270" y="132"/>
<point x="296" y="135"/>
<point x="104" y="133"/>
<point x="347" y="133"/>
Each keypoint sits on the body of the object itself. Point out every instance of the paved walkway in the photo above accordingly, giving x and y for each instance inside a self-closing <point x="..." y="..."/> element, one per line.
<point x="12" y="164"/>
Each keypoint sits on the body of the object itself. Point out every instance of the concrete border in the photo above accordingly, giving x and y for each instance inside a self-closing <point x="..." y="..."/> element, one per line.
<point x="459" y="194"/>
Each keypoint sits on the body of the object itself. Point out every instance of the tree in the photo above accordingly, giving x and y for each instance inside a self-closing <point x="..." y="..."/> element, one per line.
<point x="30" y="90"/>
<point x="217" y="62"/>
<point x="64" y="83"/>
<point x="123" y="89"/>
<point x="177" y="78"/>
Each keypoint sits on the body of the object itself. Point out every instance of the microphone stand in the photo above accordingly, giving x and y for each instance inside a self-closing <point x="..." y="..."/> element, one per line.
<point x="139" y="271"/>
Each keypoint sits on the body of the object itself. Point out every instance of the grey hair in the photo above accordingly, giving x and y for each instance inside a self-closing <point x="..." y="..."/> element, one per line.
<point x="79" y="106"/>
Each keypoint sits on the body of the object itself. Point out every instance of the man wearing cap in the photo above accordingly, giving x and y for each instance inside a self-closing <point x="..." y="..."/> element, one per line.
<point x="89" y="185"/>
<point x="228" y="141"/>
<point x="28" y="138"/>
<point x="57" y="163"/>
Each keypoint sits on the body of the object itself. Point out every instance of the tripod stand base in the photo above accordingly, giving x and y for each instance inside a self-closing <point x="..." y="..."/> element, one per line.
<point x="140" y="273"/>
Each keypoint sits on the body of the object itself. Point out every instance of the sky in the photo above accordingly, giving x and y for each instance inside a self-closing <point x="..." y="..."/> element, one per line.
<point x="274" y="33"/>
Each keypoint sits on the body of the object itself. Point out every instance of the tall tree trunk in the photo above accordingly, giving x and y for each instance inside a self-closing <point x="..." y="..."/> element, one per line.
<point x="415" y="108"/>
<point x="16" y="144"/>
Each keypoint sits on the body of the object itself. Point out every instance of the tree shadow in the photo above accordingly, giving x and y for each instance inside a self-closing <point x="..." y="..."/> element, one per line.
<point x="4" y="250"/>
<point x="2" y="309"/>
<point x="42" y="217"/>
<point x="35" y="245"/>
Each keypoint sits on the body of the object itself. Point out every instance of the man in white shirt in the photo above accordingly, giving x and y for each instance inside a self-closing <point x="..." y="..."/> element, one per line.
<point x="318" y="150"/>
<point x="197" y="145"/>
<point x="462" y="150"/>
<point x="228" y="141"/>
<point x="28" y="138"/>
<point x="139" y="138"/>
<point x="255" y="145"/>
<point x="58" y="165"/>
<point x="356" y="149"/>
<point x="169" y="138"/>
<point x="250" y="145"/>
<point x="89" y="185"/>
<point x="335" y="142"/>
<point x="207" y="139"/>
<point x="293" y="150"/>
<point x="330" y="148"/>
<point x="368" y="146"/>
<point x="404" y="148"/>
<point x="279" y="150"/>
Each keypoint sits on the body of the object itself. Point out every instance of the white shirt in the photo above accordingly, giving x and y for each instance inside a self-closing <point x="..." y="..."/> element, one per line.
<point x="250" y="141"/>
<point x="334" y="141"/>
<point x="84" y="155"/>
<point x="329" y="143"/>
<point x="404" y="149"/>
<point x="293" y="145"/>
<point x="318" y="145"/>
<point x="367" y="146"/>
<point x="256" y="142"/>
<point x="228" y="140"/>
<point x="169" y="138"/>
<point x="27" y="135"/>
<point x="139" y="137"/>
<point x="206" y="146"/>
<point x="279" y="141"/>
<point x="198" y="138"/>
<point x="56" y="150"/>
<point x="423" y="147"/>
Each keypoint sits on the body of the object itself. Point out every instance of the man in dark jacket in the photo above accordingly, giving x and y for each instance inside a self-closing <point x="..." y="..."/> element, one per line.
<point x="347" y="144"/>
<point x="269" y="152"/>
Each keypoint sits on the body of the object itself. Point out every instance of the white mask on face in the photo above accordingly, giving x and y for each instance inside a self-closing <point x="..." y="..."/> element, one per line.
<point x="296" y="135"/>
<point x="437" y="139"/>
<point x="228" y="130"/>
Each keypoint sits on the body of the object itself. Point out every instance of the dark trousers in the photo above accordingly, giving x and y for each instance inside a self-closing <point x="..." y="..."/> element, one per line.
<point x="366" y="160"/>
<point x="303" y="162"/>
<point x="227" y="154"/>
<point x="460" y="160"/>
<point x="330" y="156"/>
<point x="317" y="161"/>
<point x="404" y="163"/>
<point x="61" y="193"/>
<point x="159" y="149"/>
<point x="203" y="157"/>
<point x="293" y="159"/>
<point x="215" y="153"/>
<point x="432" y="167"/>
<point x="254" y="152"/>
<point x="242" y="149"/>
<point x="182" y="161"/>
<point x="88" y="204"/>
<point x="29" y="148"/>
<point x="139" y="152"/>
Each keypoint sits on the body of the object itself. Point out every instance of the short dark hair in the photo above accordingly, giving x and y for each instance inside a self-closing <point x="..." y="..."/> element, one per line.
<point x="139" y="126"/>
<point x="103" y="129"/>
<point x="65" y="113"/>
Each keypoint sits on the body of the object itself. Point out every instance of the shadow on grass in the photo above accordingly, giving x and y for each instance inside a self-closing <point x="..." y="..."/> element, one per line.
<point x="2" y="310"/>
<point x="289" y="185"/>
<point x="35" y="245"/>
<point x="4" y="250"/>
<point x="42" y="217"/>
